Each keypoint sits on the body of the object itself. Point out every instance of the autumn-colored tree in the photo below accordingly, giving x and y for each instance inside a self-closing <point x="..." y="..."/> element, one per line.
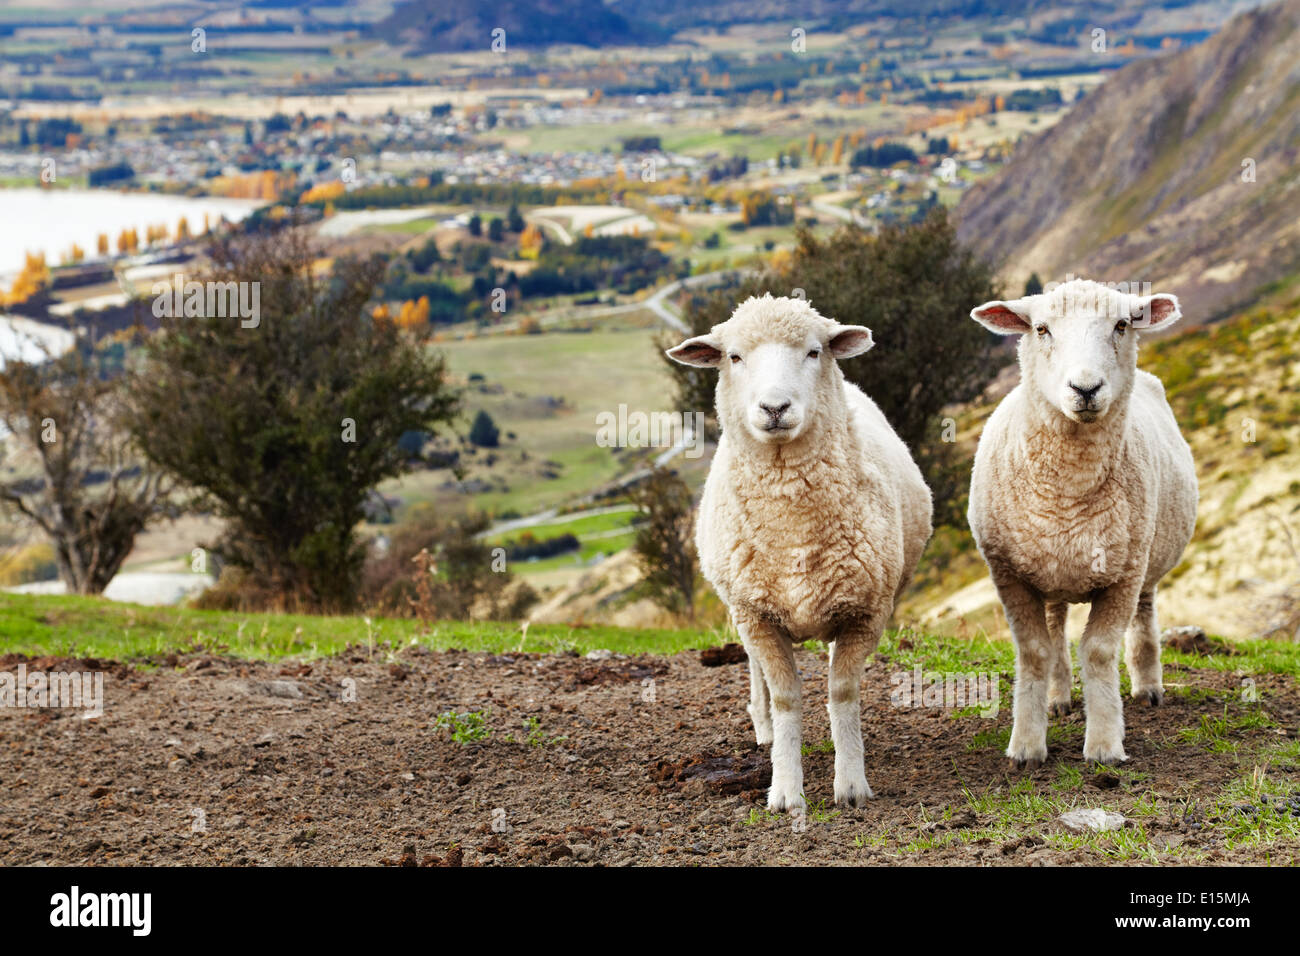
<point x="837" y="151"/>
<point x="330" y="190"/>
<point x="414" y="315"/>
<point x="530" y="242"/>
<point x="31" y="279"/>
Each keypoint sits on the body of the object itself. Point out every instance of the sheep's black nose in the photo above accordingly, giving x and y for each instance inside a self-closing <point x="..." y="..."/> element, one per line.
<point x="1086" y="393"/>
<point x="776" y="412"/>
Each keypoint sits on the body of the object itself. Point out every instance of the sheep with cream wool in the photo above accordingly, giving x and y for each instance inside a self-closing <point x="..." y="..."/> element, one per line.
<point x="812" y="521"/>
<point x="1083" y="491"/>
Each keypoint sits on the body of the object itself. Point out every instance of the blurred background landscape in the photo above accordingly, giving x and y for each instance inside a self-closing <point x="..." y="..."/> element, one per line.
<point x="541" y="195"/>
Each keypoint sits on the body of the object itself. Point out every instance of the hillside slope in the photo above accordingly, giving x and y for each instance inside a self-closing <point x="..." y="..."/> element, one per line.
<point x="1143" y="180"/>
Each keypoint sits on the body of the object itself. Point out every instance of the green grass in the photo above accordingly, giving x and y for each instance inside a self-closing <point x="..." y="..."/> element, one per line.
<point x="1216" y="732"/>
<point x="980" y="653"/>
<point x="593" y="532"/>
<point x="573" y="366"/>
<point x="467" y="728"/>
<point x="589" y="524"/>
<point x="1252" y="657"/>
<point x="40" y="625"/>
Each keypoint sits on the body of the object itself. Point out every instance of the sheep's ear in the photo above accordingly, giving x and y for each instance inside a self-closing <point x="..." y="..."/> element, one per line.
<point x="1157" y="311"/>
<point x="1004" y="318"/>
<point x="703" y="351"/>
<point x="847" y="341"/>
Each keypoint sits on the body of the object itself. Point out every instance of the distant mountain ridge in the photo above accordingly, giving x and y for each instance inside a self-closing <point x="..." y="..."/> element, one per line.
<point x="1149" y="177"/>
<point x="434" y="26"/>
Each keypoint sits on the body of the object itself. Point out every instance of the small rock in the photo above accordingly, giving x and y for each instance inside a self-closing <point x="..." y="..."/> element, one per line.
<point x="283" y="688"/>
<point x="1096" y="820"/>
<point x="583" y="851"/>
<point x="600" y="654"/>
<point x="177" y="764"/>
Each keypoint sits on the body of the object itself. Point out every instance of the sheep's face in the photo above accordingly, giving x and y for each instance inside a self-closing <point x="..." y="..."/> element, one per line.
<point x="1078" y="346"/>
<point x="775" y="358"/>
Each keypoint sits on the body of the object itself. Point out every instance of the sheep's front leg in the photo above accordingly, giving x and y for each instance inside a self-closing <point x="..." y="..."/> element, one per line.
<point x="1142" y="652"/>
<point x="1028" y="619"/>
<point x="775" y="655"/>
<point x="848" y="659"/>
<point x="1060" y="677"/>
<point x="1112" y="610"/>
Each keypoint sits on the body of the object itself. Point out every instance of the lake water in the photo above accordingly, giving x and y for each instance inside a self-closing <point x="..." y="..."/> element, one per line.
<point x="51" y="220"/>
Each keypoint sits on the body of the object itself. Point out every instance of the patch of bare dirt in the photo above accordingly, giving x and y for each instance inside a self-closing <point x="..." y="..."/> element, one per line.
<point x="639" y="760"/>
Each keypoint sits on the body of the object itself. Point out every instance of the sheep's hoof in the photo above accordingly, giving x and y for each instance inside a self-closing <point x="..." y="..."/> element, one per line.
<point x="1109" y="758"/>
<point x="785" y="798"/>
<point x="1152" y="698"/>
<point x="854" y="794"/>
<point x="1024" y="763"/>
<point x="1060" y="709"/>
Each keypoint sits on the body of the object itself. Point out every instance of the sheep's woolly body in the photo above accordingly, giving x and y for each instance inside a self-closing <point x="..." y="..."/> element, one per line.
<point x="809" y="538"/>
<point x="812" y="536"/>
<point x="1081" y="507"/>
<point x="1072" y="508"/>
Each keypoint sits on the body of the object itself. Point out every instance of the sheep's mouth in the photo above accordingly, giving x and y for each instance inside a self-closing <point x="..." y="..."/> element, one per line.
<point x="1087" y="415"/>
<point x="777" y="427"/>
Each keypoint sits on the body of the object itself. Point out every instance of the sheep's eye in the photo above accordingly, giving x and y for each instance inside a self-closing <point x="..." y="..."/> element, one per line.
<point x="815" y="353"/>
<point x="735" y="359"/>
<point x="1120" y="326"/>
<point x="1042" y="330"/>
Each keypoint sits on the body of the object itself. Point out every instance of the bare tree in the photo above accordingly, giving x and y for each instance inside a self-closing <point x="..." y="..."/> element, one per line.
<point x="79" y="478"/>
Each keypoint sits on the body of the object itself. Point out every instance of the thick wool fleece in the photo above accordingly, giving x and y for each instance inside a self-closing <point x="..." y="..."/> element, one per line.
<point x="827" y="528"/>
<point x="1069" y="508"/>
<point x="1065" y="512"/>
<point x="813" y="538"/>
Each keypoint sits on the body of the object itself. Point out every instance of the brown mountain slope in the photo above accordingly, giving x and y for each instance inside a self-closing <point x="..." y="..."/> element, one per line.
<point x="1143" y="180"/>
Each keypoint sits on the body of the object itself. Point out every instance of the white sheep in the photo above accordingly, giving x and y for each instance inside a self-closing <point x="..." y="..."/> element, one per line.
<point x="811" y="523"/>
<point x="1083" y="491"/>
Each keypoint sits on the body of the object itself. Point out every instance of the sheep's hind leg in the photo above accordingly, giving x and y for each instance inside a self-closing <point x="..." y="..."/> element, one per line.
<point x="775" y="655"/>
<point x="1060" y="675"/>
<point x="848" y="658"/>
<point x="1142" y="652"/>
<point x="1103" y="739"/>
<point x="1028" y="619"/>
